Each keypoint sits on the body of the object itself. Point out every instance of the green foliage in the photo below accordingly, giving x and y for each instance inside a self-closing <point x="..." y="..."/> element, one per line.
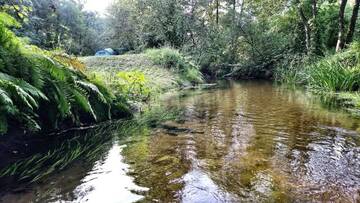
<point x="340" y="72"/>
<point x="38" y="92"/>
<point x="57" y="24"/>
<point x="334" y="73"/>
<point x="166" y="57"/>
<point x="173" y="59"/>
<point x="134" y="85"/>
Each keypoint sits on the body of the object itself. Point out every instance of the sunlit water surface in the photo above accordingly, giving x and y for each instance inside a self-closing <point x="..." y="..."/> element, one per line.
<point x="248" y="142"/>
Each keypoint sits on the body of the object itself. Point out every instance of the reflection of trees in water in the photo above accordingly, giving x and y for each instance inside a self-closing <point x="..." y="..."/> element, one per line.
<point x="277" y="132"/>
<point x="158" y="163"/>
<point x="252" y="142"/>
<point x="88" y="146"/>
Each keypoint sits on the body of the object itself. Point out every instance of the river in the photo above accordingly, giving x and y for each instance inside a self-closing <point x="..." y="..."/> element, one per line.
<point x="243" y="142"/>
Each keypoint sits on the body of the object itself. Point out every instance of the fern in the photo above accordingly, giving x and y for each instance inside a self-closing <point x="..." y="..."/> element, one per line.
<point x="82" y="101"/>
<point x="92" y="89"/>
<point x="31" y="79"/>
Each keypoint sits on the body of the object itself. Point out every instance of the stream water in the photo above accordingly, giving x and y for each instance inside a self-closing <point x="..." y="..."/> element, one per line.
<point x="245" y="142"/>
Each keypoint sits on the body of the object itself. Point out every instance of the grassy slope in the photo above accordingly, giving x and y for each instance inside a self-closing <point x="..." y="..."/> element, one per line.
<point x="157" y="75"/>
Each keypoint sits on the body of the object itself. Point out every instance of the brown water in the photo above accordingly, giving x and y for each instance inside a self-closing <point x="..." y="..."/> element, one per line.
<point x="249" y="142"/>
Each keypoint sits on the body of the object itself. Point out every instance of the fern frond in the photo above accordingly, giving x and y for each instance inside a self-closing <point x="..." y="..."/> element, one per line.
<point x="62" y="98"/>
<point x="5" y="98"/>
<point x="82" y="101"/>
<point x="93" y="89"/>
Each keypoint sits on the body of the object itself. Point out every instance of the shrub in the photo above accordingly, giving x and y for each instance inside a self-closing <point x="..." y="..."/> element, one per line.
<point x="340" y="72"/>
<point x="134" y="85"/>
<point x="173" y="59"/>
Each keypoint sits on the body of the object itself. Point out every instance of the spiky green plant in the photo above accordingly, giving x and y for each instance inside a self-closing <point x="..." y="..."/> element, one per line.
<point x="340" y="72"/>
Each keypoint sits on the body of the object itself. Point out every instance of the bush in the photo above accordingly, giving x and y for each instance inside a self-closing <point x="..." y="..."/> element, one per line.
<point x="173" y="59"/>
<point x="290" y="70"/>
<point x="134" y="85"/>
<point x="340" y="72"/>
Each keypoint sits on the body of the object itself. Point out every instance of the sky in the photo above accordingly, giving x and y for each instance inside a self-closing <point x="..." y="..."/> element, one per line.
<point x="97" y="5"/>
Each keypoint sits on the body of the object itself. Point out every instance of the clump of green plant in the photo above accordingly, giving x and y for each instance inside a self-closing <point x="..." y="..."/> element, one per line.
<point x="291" y="70"/>
<point x="332" y="75"/>
<point x="38" y="92"/>
<point x="335" y="73"/>
<point x="173" y="59"/>
<point x="340" y="72"/>
<point x="134" y="85"/>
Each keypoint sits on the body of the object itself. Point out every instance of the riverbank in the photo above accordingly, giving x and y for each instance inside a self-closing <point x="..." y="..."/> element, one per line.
<point x="164" y="69"/>
<point x="225" y="145"/>
<point x="135" y="80"/>
<point x="335" y="77"/>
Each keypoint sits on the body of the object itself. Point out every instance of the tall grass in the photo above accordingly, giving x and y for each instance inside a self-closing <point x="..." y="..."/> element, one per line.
<point x="340" y="72"/>
<point x="331" y="74"/>
<point x="335" y="73"/>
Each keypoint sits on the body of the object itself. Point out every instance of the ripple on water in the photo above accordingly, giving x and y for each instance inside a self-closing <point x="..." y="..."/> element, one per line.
<point x="251" y="142"/>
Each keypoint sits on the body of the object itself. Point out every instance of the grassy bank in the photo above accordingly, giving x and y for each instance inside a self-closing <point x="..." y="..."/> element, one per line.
<point x="42" y="91"/>
<point x="146" y="75"/>
<point x="335" y="77"/>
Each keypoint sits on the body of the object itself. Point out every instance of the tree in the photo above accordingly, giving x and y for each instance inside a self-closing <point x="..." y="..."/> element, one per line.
<point x="353" y="20"/>
<point x="341" y="35"/>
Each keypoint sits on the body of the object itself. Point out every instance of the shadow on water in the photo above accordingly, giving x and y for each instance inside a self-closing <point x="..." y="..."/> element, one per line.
<point x="244" y="142"/>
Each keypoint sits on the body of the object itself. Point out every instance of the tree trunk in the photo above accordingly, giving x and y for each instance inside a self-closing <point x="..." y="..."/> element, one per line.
<point x="315" y="35"/>
<point x="217" y="12"/>
<point x="314" y="8"/>
<point x="352" y="25"/>
<point x="341" y="35"/>
<point x="306" y="28"/>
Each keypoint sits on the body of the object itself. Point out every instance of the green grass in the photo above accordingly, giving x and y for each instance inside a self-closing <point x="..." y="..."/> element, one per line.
<point x="108" y="67"/>
<point x="142" y="77"/>
<point x="340" y="72"/>
<point x="334" y="73"/>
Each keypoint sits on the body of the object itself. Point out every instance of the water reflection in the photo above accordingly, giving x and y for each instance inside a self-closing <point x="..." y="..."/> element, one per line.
<point x="257" y="143"/>
<point x="108" y="181"/>
<point x="250" y="142"/>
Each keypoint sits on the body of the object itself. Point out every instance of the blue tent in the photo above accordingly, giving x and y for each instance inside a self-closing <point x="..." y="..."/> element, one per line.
<point x="105" y="52"/>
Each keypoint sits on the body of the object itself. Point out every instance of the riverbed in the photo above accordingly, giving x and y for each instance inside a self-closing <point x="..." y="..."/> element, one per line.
<point x="241" y="142"/>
